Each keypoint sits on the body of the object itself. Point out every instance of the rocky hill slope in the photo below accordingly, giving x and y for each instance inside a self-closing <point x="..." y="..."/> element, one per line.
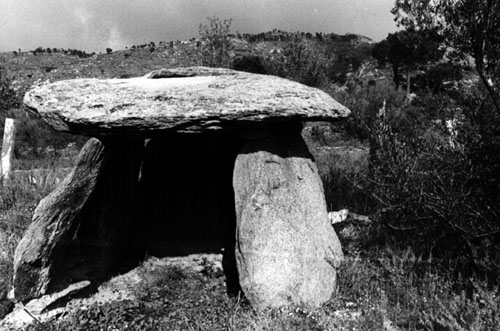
<point x="25" y="68"/>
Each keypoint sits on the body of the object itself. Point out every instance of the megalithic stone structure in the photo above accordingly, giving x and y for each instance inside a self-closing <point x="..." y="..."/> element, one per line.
<point x="9" y="136"/>
<point x="224" y="168"/>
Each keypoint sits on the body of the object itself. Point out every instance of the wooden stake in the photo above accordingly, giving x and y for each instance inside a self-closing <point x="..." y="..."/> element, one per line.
<point x="9" y="135"/>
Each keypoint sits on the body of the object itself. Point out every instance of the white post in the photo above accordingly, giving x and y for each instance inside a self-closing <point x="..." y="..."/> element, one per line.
<point x="9" y="135"/>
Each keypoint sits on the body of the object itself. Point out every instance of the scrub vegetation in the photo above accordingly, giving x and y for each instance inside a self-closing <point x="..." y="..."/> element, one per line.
<point x="420" y="156"/>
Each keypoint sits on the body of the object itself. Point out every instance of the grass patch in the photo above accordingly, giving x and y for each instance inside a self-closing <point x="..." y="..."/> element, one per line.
<point x="383" y="290"/>
<point x="17" y="204"/>
<point x="379" y="287"/>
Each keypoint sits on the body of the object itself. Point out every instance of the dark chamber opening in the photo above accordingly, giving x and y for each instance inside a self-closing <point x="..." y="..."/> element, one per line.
<point x="185" y="195"/>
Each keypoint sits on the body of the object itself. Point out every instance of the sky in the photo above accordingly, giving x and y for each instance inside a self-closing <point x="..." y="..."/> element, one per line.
<point x="94" y="25"/>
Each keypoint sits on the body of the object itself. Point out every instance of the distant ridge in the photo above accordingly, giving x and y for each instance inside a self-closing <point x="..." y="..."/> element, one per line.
<point x="28" y="67"/>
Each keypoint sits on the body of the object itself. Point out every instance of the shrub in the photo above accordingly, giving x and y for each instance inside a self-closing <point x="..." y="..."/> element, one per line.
<point x="433" y="189"/>
<point x="249" y="63"/>
<point x="439" y="78"/>
<point x="216" y="42"/>
<point x="33" y="136"/>
<point x="302" y="60"/>
<point x="365" y="103"/>
<point x="437" y="191"/>
<point x="8" y="97"/>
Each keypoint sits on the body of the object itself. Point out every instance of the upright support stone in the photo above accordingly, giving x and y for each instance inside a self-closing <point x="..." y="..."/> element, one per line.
<point x="286" y="250"/>
<point x="48" y="240"/>
<point x="9" y="135"/>
<point x="82" y="229"/>
<point x="106" y="236"/>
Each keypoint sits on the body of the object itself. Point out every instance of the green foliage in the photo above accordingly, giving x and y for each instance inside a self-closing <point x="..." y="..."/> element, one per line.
<point x="216" y="42"/>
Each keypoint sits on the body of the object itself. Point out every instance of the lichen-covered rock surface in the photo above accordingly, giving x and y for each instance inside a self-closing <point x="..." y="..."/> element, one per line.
<point x="191" y="99"/>
<point x="286" y="250"/>
<point x="81" y="230"/>
<point x="42" y="251"/>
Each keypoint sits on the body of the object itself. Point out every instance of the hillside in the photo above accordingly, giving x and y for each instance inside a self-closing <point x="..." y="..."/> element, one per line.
<point x="26" y="68"/>
<point x="415" y="169"/>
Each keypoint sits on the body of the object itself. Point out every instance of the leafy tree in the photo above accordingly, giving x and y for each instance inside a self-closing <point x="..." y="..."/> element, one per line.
<point x="217" y="45"/>
<point x="462" y="184"/>
<point x="407" y="50"/>
<point x="470" y="27"/>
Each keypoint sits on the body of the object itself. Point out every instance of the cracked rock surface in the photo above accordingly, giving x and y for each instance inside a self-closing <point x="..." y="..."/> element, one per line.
<point x="191" y="99"/>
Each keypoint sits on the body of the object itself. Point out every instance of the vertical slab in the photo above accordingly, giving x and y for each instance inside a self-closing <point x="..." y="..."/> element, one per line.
<point x="83" y="228"/>
<point x="105" y="237"/>
<point x="48" y="240"/>
<point x="9" y="135"/>
<point x="286" y="250"/>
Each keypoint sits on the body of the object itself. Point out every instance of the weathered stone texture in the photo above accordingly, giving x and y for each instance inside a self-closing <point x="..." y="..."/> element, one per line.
<point x="43" y="248"/>
<point x="286" y="250"/>
<point x="188" y="100"/>
<point x="81" y="230"/>
<point x="242" y="180"/>
<point x="105" y="236"/>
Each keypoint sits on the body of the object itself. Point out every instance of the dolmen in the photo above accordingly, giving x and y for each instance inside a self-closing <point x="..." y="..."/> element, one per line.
<point x="185" y="161"/>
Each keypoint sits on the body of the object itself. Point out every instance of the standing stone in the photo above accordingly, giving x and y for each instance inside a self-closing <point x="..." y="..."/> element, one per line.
<point x="47" y="242"/>
<point x="82" y="229"/>
<point x="104" y="238"/>
<point x="286" y="250"/>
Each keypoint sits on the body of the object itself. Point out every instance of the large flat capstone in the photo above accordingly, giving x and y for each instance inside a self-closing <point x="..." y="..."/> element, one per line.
<point x="191" y="99"/>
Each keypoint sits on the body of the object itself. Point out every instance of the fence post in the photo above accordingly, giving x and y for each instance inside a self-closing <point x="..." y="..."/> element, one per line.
<point x="9" y="135"/>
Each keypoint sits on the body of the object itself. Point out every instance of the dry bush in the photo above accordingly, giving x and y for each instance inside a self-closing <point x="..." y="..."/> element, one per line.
<point x="302" y="60"/>
<point x="440" y="196"/>
<point x="216" y="42"/>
